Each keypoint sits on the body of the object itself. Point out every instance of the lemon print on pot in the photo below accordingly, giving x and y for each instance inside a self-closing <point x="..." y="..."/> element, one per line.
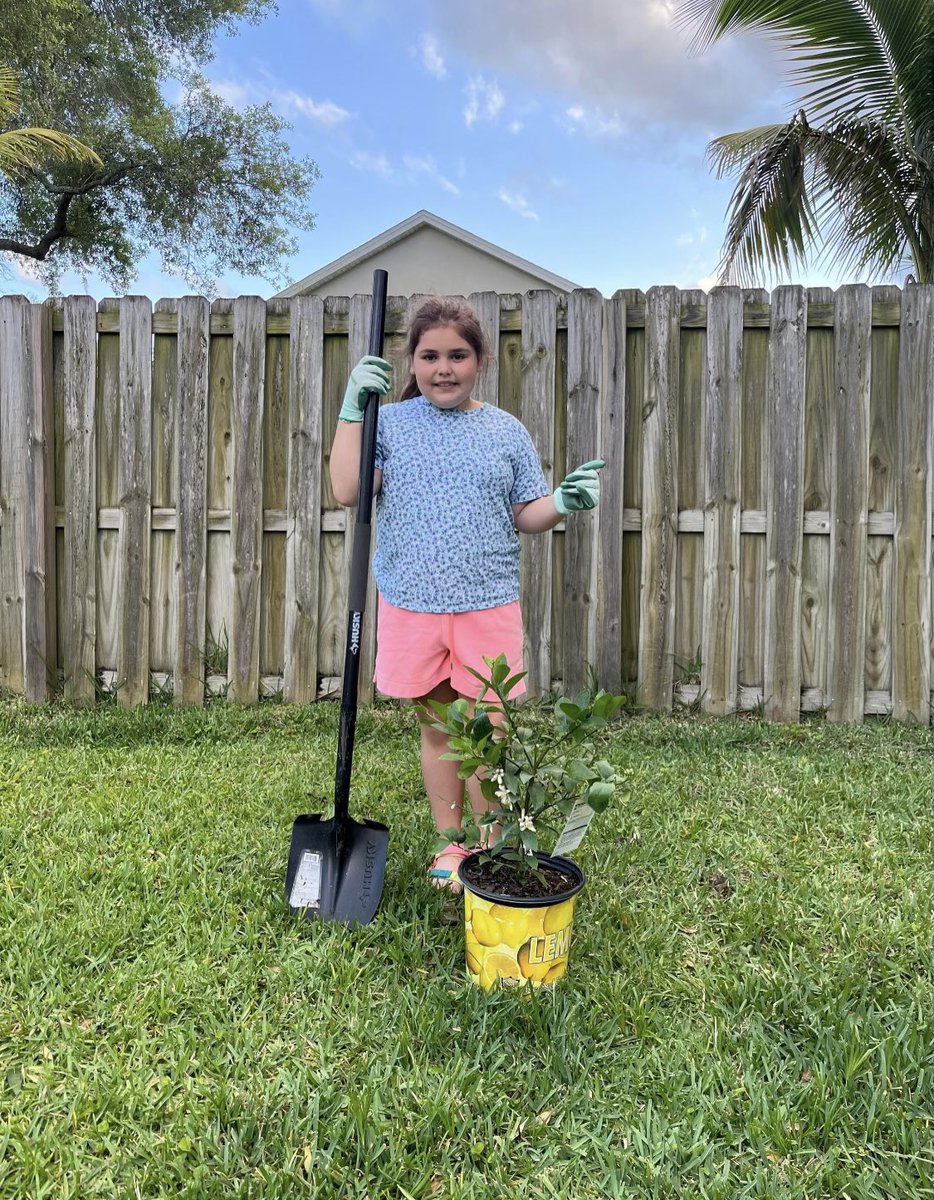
<point x="531" y="970"/>
<point x="497" y="965"/>
<point x="517" y="925"/>
<point x="558" y="916"/>
<point x="485" y="928"/>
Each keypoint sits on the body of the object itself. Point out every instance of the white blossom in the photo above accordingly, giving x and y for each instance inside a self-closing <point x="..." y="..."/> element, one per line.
<point x="526" y="822"/>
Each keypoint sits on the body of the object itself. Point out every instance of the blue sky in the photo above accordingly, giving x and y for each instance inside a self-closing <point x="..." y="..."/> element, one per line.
<point x="573" y="135"/>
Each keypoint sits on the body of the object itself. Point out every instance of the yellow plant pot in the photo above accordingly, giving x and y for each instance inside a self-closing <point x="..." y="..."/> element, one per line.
<point x="515" y="940"/>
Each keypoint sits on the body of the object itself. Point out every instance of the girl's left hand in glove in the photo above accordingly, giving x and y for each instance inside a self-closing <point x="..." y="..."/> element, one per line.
<point x="580" y="489"/>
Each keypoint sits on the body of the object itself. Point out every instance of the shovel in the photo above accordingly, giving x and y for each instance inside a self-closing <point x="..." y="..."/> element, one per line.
<point x="336" y="867"/>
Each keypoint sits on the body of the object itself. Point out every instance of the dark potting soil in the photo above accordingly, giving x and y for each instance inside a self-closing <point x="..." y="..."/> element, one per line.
<point x="505" y="880"/>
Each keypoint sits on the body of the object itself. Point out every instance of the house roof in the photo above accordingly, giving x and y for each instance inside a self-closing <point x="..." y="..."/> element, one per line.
<point x="397" y="233"/>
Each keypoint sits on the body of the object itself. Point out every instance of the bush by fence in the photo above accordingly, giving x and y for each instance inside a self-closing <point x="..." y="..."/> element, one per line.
<point x="763" y="538"/>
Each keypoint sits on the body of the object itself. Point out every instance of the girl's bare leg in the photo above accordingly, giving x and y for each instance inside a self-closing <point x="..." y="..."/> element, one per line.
<point x="477" y="800"/>
<point x="445" y="790"/>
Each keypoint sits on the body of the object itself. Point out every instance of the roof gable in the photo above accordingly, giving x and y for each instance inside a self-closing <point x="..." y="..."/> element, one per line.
<point x="405" y="229"/>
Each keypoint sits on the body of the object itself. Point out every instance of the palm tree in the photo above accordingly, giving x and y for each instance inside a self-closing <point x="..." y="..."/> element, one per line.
<point x="852" y="172"/>
<point x="26" y="149"/>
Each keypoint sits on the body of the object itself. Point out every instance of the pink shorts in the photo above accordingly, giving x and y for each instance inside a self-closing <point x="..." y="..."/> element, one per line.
<point x="416" y="651"/>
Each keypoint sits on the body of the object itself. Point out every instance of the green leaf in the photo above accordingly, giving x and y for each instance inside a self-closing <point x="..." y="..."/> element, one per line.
<point x="579" y="771"/>
<point x="529" y="839"/>
<point x="599" y="795"/>
<point x="499" y="673"/>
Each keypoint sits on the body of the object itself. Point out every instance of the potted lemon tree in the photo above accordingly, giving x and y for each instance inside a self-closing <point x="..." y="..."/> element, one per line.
<point x="543" y="780"/>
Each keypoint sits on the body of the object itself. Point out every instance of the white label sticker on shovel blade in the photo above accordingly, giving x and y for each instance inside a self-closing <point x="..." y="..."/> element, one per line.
<point x="573" y="833"/>
<point x="306" y="887"/>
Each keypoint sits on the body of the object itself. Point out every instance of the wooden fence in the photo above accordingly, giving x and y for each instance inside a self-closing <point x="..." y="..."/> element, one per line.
<point x="763" y="537"/>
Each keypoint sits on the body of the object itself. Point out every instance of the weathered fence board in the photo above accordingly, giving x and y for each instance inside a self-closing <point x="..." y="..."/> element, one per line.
<point x="246" y="518"/>
<point x="162" y="592"/>
<point x="536" y="411"/>
<point x="585" y="361"/>
<point x="849" y="501"/>
<point x="609" y="659"/>
<point x="784" y="533"/>
<point x="13" y="335"/>
<point x="135" y="499"/>
<point x="659" y="498"/>
<point x="191" y="534"/>
<point x="303" y="540"/>
<point x="486" y="306"/>
<point x="764" y="534"/>
<point x="79" y="478"/>
<point x="911" y="674"/>
<point x="722" y="494"/>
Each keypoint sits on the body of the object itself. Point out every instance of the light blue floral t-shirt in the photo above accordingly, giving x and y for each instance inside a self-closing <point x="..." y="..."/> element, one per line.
<point x="445" y="539"/>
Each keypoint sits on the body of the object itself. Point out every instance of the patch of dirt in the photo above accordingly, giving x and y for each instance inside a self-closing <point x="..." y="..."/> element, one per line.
<point x="719" y="885"/>
<point x="506" y="880"/>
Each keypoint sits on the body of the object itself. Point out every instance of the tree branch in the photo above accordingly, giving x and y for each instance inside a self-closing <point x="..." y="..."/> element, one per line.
<point x="56" y="231"/>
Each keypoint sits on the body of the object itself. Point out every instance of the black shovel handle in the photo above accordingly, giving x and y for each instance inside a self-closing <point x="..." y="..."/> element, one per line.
<point x="359" y="571"/>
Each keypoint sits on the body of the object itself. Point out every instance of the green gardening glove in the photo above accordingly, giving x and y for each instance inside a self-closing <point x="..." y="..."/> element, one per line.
<point x="371" y="374"/>
<point x="580" y="489"/>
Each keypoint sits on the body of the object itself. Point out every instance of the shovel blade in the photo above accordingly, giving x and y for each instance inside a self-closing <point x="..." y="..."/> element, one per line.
<point x="322" y="885"/>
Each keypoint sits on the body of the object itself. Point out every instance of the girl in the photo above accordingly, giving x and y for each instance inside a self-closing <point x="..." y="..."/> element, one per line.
<point x="454" y="480"/>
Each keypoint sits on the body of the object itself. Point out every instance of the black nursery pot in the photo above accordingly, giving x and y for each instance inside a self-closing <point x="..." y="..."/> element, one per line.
<point x="517" y="940"/>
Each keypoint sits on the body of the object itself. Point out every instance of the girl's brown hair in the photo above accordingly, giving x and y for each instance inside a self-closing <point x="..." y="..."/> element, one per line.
<point x="443" y="310"/>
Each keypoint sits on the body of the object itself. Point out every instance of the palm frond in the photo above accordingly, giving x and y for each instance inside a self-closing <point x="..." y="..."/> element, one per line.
<point x="771" y="217"/>
<point x="22" y="149"/>
<point x="866" y="48"/>
<point x="853" y="189"/>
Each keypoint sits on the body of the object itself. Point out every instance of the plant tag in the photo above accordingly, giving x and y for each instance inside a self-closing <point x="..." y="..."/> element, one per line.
<point x="306" y="886"/>
<point x="576" y="826"/>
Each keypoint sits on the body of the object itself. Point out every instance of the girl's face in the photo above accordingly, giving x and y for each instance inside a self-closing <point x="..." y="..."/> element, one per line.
<point x="446" y="368"/>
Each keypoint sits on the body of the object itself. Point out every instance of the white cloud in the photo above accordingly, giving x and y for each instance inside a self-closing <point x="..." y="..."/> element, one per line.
<point x="708" y="282"/>
<point x="236" y="94"/>
<point x="426" y="166"/>
<point x="624" y="57"/>
<point x="373" y="164"/>
<point x="515" y="127"/>
<point x="694" y="237"/>
<point x="484" y="101"/>
<point x="593" y="122"/>
<point x="431" y="57"/>
<point x="24" y="268"/>
<point x="518" y="203"/>
<point x="324" y="112"/>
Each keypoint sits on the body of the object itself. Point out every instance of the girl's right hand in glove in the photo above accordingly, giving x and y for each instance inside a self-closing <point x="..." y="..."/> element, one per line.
<point x="371" y="374"/>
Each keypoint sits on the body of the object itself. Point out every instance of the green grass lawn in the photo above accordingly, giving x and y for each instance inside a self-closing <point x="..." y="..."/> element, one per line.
<point x="747" y="1011"/>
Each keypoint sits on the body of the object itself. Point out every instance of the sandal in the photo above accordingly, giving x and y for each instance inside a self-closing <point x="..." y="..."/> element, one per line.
<point x="443" y="869"/>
